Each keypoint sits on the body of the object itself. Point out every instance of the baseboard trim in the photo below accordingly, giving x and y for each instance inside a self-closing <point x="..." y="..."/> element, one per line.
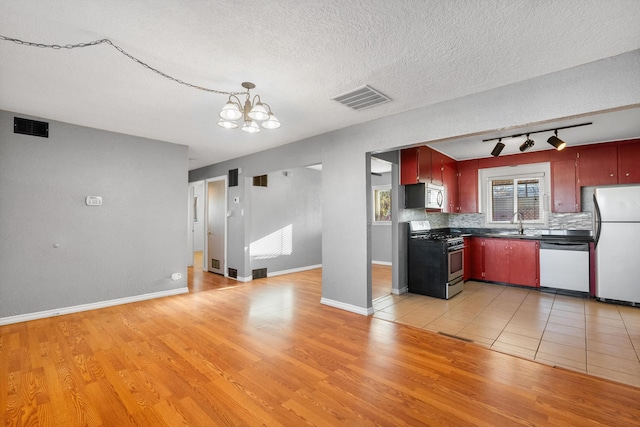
<point x="91" y="306"/>
<point x="382" y="263"/>
<point x="347" y="307"/>
<point x="400" y="291"/>
<point x="294" y="270"/>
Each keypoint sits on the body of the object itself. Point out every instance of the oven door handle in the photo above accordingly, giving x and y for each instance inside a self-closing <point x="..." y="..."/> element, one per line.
<point x="456" y="248"/>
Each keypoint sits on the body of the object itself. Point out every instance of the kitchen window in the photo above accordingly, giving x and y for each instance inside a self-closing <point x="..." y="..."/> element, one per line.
<point x="382" y="203"/>
<point x="509" y="196"/>
<point x="508" y="190"/>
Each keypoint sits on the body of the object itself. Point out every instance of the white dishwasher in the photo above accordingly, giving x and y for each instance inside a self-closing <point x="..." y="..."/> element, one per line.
<point x="564" y="265"/>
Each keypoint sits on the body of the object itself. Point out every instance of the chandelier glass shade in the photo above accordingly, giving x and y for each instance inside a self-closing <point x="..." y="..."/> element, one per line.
<point x="251" y="111"/>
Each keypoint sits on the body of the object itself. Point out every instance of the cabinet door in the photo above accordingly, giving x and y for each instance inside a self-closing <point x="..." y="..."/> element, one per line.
<point x="450" y="178"/>
<point x="409" y="166"/>
<point x="477" y="258"/>
<point x="629" y="162"/>
<point x="468" y="186"/>
<point x="424" y="164"/>
<point x="524" y="262"/>
<point x="598" y="165"/>
<point x="563" y="186"/>
<point x="496" y="260"/>
<point x="437" y="167"/>
<point x="467" y="259"/>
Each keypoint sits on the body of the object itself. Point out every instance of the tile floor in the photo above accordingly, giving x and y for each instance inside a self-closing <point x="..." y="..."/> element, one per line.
<point x="575" y="333"/>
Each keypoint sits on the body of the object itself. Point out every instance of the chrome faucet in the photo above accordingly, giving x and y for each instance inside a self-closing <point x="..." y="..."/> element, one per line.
<point x="520" y="218"/>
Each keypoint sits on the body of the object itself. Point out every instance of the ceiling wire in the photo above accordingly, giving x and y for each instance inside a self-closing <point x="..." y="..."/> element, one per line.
<point x="122" y="51"/>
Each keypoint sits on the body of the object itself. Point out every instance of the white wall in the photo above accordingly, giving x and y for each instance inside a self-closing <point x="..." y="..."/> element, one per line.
<point x="127" y="247"/>
<point x="346" y="250"/>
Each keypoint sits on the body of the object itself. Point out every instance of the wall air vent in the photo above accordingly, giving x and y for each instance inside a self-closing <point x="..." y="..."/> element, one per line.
<point x="30" y="127"/>
<point x="259" y="273"/>
<point x="233" y="177"/>
<point x="361" y="98"/>
<point x="261" y="181"/>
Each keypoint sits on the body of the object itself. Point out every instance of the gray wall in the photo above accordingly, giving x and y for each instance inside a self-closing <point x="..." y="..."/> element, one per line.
<point x="381" y="232"/>
<point x="129" y="246"/>
<point x="346" y="250"/>
<point x="293" y="200"/>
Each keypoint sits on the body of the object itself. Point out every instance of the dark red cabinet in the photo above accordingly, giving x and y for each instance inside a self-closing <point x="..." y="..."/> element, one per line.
<point x="629" y="162"/>
<point x="524" y="262"/>
<point x="409" y="166"/>
<point x="563" y="186"/>
<point x="477" y="258"/>
<point x="437" y="167"/>
<point x="450" y="180"/>
<point x="468" y="186"/>
<point x="496" y="260"/>
<point x="598" y="165"/>
<point x="513" y="261"/>
<point x="467" y="259"/>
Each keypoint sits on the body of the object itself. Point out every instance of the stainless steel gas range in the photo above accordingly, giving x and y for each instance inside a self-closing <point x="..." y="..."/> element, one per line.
<point x="435" y="261"/>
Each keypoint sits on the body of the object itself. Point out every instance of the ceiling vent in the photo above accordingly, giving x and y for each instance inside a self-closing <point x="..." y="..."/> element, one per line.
<point x="361" y="98"/>
<point x="30" y="127"/>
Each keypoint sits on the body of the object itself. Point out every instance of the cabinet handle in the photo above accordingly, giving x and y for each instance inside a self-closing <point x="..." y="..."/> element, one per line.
<point x="627" y="174"/>
<point x="611" y="174"/>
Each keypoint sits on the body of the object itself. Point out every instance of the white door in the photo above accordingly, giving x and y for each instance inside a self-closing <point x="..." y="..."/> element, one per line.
<point x="216" y="226"/>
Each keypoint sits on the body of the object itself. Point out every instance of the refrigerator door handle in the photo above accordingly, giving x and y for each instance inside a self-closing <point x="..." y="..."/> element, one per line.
<point x="598" y="220"/>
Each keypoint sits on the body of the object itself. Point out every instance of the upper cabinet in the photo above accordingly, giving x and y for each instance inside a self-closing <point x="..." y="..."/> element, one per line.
<point x="598" y="165"/>
<point x="409" y="166"/>
<point x="450" y="181"/>
<point x="572" y="168"/>
<point x="424" y="164"/>
<point x="629" y="162"/>
<point x="563" y="186"/>
<point x="468" y="186"/>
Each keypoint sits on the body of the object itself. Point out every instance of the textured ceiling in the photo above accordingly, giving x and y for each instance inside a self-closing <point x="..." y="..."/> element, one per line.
<point x="298" y="53"/>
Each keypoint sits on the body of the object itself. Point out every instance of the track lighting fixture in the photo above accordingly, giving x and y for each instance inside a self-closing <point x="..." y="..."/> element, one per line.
<point x="498" y="148"/>
<point x="527" y="144"/>
<point x="557" y="142"/>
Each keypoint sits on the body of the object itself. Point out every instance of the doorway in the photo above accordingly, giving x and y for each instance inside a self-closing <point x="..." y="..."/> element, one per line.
<point x="381" y="238"/>
<point x="216" y="225"/>
<point x="197" y="222"/>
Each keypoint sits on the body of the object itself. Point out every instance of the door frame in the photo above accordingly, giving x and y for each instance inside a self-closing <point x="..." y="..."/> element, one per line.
<point x="205" y="256"/>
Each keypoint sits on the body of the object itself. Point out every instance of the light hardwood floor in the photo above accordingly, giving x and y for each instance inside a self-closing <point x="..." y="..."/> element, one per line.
<point x="268" y="353"/>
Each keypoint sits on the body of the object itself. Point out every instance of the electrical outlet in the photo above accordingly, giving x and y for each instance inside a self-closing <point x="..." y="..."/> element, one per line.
<point x="176" y="276"/>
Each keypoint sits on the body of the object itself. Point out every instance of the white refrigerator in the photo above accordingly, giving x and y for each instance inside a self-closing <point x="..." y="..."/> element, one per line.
<point x="617" y="243"/>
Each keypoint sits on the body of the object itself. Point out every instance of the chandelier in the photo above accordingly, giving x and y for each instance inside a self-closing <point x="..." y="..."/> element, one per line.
<point x="251" y="112"/>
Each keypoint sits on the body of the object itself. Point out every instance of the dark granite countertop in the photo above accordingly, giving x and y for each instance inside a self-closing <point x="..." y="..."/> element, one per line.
<point x="529" y="234"/>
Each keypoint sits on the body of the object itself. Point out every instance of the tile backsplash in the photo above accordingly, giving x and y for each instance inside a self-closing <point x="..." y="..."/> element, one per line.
<point x="571" y="221"/>
<point x="557" y="221"/>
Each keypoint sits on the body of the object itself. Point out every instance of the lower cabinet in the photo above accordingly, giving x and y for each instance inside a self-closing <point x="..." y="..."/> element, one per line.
<point x="513" y="261"/>
<point x="467" y="259"/>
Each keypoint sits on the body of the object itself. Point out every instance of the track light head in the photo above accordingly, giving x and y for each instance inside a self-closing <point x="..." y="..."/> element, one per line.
<point x="527" y="144"/>
<point x="557" y="142"/>
<point x="497" y="149"/>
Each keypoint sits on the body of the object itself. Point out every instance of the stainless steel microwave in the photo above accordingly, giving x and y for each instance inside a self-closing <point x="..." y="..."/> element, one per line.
<point x="424" y="196"/>
<point x="434" y="196"/>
